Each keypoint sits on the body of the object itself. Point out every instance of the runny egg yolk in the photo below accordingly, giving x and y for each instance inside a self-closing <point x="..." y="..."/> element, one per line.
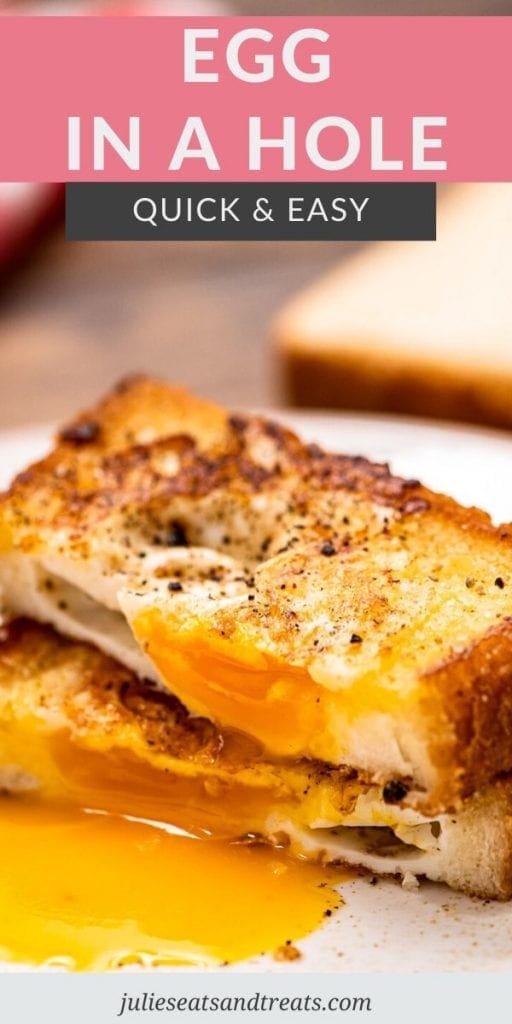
<point x="236" y="686"/>
<point x="93" y="890"/>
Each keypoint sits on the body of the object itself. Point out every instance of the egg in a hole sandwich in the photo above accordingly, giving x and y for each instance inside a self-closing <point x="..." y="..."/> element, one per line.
<point x="301" y="649"/>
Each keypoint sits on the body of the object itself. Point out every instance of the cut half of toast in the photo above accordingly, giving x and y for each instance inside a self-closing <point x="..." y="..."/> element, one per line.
<point x="314" y="602"/>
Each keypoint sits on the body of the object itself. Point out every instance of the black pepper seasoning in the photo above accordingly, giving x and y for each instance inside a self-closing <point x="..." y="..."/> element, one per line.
<point x="394" y="791"/>
<point x="81" y="433"/>
<point x="176" y="536"/>
<point x="328" y="549"/>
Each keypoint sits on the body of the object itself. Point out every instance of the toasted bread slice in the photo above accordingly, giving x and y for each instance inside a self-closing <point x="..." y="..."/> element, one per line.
<point x="412" y="327"/>
<point x="313" y="601"/>
<point x="77" y="727"/>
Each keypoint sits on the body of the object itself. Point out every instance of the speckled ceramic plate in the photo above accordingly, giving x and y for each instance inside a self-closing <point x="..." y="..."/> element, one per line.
<point x="383" y="928"/>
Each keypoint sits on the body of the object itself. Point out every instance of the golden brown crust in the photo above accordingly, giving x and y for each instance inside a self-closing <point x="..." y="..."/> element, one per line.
<point x="95" y="692"/>
<point x="337" y="559"/>
<point x="472" y="693"/>
<point x="100" y="464"/>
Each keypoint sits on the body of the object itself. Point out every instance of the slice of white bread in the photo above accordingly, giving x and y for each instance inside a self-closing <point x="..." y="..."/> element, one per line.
<point x="413" y="327"/>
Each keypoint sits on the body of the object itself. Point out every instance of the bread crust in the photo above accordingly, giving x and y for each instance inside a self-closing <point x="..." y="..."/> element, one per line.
<point x="364" y="383"/>
<point x="391" y="600"/>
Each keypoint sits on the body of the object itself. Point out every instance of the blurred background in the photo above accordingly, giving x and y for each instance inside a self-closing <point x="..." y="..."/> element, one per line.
<point x="74" y="317"/>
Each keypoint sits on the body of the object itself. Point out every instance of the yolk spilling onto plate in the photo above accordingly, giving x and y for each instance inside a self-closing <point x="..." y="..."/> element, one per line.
<point x="93" y="890"/>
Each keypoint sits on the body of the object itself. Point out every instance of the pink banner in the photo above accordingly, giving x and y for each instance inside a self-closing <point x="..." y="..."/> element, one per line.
<point x="246" y="99"/>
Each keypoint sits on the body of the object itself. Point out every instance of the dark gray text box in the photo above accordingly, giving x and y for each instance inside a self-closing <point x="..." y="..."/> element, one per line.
<point x="230" y="211"/>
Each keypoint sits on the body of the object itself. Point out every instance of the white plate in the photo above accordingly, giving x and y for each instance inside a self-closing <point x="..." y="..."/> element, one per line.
<point x="383" y="928"/>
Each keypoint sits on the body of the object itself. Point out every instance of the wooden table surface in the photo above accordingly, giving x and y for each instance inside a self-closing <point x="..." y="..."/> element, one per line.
<point x="80" y="315"/>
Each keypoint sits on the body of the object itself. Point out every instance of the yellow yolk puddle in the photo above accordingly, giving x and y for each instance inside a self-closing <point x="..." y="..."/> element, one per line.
<point x="92" y="891"/>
